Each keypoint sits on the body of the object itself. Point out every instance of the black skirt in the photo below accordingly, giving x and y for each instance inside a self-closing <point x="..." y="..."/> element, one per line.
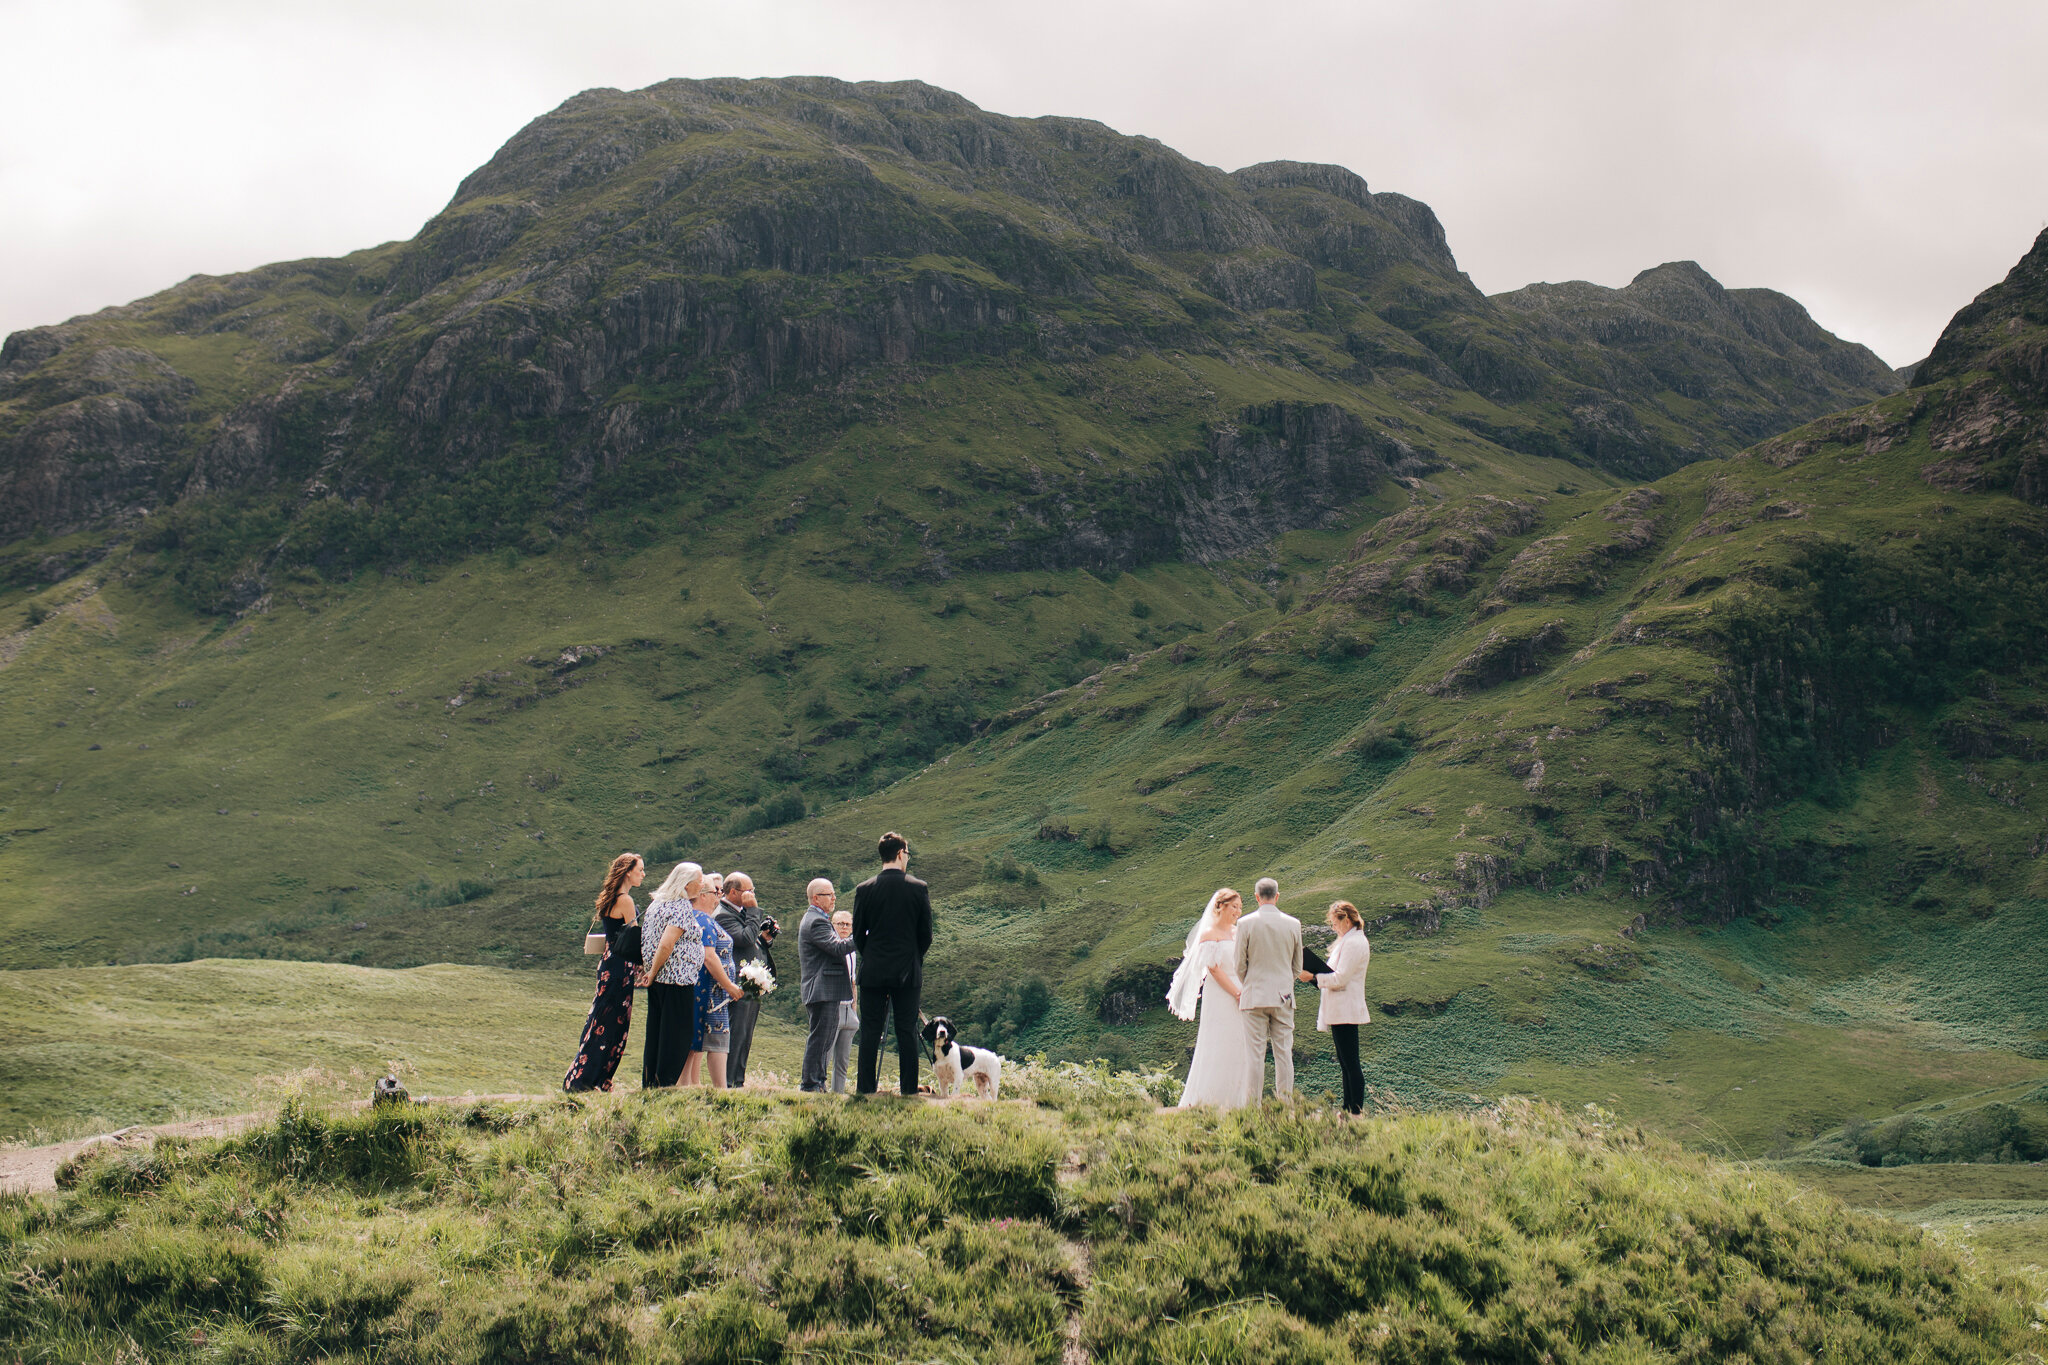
<point x="671" y="1014"/>
<point x="611" y="1018"/>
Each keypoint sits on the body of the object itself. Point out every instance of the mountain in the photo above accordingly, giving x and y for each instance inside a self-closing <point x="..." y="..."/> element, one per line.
<point x="738" y="468"/>
<point x="645" y="293"/>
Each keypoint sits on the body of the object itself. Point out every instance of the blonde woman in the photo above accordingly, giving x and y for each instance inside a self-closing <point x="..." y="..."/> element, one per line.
<point x="1343" y="996"/>
<point x="673" y="949"/>
<point x="1219" y="1074"/>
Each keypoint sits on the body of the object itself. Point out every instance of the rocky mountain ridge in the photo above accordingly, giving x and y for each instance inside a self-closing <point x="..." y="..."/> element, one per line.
<point x="637" y="280"/>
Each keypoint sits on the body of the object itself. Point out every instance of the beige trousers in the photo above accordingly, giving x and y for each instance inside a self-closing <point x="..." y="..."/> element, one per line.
<point x="1271" y="1025"/>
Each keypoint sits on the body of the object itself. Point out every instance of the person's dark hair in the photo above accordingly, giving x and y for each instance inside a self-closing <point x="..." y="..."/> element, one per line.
<point x="615" y="880"/>
<point x="1346" y="910"/>
<point x="890" y="845"/>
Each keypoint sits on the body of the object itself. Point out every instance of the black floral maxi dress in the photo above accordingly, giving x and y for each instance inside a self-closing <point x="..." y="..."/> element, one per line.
<point x="611" y="1012"/>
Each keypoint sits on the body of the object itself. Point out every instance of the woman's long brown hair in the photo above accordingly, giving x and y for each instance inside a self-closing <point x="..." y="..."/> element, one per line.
<point x="1346" y="910"/>
<point x="615" y="881"/>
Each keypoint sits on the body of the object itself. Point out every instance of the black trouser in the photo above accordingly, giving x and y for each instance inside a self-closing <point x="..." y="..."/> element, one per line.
<point x="818" y="1040"/>
<point x="877" y="1005"/>
<point x="1345" y="1038"/>
<point x="744" y="1013"/>
<point x="671" y="1017"/>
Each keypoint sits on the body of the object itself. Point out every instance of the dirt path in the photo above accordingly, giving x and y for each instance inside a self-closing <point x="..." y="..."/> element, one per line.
<point x="33" y="1170"/>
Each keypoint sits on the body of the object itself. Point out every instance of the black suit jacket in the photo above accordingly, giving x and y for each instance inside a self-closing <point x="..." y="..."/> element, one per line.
<point x="892" y="927"/>
<point x="745" y="927"/>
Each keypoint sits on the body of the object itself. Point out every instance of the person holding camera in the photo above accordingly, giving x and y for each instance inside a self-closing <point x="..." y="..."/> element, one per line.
<point x="739" y="914"/>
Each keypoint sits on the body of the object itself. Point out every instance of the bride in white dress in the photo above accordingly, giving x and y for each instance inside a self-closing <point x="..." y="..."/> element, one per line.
<point x="1207" y="972"/>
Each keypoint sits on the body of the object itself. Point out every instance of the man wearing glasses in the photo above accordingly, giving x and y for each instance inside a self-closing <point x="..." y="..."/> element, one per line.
<point x="821" y="968"/>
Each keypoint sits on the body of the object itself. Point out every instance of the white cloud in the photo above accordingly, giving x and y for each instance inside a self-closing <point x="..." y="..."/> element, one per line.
<point x="1879" y="161"/>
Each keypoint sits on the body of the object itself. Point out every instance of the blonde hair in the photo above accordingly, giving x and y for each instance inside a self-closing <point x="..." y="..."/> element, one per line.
<point x="676" y="886"/>
<point x="1346" y="910"/>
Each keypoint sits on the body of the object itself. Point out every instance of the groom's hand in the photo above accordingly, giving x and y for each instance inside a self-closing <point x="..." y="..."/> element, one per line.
<point x="1304" y="976"/>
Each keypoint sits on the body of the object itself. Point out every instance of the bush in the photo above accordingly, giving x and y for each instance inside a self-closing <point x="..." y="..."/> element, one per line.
<point x="144" y="1279"/>
<point x="1384" y="744"/>
<point x="725" y="1325"/>
<point x="332" y="1303"/>
<point x="785" y="809"/>
<point x="431" y="897"/>
<point x="671" y="849"/>
<point x="387" y="1145"/>
<point x="1994" y="1133"/>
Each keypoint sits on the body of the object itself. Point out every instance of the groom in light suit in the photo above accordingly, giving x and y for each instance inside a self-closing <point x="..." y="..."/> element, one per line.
<point x="1268" y="956"/>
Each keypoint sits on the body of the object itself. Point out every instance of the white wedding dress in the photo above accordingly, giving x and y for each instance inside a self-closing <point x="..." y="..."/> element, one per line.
<point x="1220" y="1073"/>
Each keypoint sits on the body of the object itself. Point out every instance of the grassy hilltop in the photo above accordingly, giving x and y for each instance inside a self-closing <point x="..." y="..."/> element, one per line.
<point x="688" y="1227"/>
<point x="734" y="469"/>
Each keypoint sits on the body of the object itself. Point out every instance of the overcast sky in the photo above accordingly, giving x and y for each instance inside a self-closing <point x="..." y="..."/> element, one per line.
<point x="1881" y="162"/>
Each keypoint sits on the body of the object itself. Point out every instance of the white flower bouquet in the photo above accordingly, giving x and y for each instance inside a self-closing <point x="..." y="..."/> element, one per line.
<point x="755" y="979"/>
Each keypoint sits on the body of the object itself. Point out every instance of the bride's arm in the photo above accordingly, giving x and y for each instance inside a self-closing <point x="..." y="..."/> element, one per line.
<point x="1225" y="980"/>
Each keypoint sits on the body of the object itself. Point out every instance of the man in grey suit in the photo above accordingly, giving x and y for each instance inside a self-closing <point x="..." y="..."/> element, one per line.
<point x="821" y="962"/>
<point x="1268" y="956"/>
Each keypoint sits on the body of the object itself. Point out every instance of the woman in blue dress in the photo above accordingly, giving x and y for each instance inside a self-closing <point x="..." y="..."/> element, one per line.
<point x="712" y="1036"/>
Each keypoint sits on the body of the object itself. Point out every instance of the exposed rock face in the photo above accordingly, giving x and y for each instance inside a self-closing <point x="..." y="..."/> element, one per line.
<point x="1988" y="422"/>
<point x="1280" y="467"/>
<point x="636" y="270"/>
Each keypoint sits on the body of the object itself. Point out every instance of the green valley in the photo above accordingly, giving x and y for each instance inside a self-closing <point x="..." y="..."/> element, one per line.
<point x="736" y="469"/>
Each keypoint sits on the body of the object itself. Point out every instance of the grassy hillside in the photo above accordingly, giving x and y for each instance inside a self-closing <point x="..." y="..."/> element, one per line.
<point x="688" y="1227"/>
<point x="89" y="1050"/>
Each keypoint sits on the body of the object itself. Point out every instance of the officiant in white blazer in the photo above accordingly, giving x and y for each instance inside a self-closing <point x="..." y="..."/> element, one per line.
<point x="1342" y="989"/>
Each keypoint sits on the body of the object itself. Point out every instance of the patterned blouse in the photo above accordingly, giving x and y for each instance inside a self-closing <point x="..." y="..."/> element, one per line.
<point x="687" y="961"/>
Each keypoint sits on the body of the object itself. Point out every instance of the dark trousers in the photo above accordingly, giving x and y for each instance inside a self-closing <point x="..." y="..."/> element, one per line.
<point x="744" y="1013"/>
<point x="1345" y="1039"/>
<point x="824" y="1027"/>
<point x="671" y="1017"/>
<point x="877" y="1005"/>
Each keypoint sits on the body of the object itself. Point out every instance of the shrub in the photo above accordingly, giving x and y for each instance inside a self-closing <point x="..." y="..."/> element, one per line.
<point x="785" y="809"/>
<point x="331" y="1303"/>
<point x="550" y="1327"/>
<point x="1383" y="744"/>
<point x="144" y="1278"/>
<point x="387" y="1145"/>
<point x="723" y="1326"/>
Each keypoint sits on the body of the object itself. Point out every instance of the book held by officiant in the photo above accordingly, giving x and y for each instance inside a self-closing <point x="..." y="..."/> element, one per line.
<point x="1312" y="962"/>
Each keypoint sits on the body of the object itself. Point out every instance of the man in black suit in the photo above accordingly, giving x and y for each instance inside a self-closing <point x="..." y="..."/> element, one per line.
<point x="751" y="932"/>
<point x="892" y="931"/>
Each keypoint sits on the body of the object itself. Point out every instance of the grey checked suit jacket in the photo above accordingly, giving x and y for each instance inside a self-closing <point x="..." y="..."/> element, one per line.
<point x="1268" y="956"/>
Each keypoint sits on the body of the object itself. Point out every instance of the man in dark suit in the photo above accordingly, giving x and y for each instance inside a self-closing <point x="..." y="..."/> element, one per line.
<point x="821" y="961"/>
<point x="750" y="937"/>
<point x="892" y="931"/>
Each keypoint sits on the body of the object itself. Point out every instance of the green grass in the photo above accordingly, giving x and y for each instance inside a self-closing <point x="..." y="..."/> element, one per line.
<point x="88" y="1050"/>
<point x="700" y="1227"/>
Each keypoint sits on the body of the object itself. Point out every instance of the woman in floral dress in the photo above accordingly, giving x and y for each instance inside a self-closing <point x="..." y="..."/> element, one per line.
<point x="611" y="1012"/>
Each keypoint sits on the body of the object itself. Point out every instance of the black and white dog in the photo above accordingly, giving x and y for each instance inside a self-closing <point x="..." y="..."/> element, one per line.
<point x="951" y="1063"/>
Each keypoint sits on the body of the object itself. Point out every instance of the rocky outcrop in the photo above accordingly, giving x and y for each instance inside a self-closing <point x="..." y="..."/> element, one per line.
<point x="1280" y="467"/>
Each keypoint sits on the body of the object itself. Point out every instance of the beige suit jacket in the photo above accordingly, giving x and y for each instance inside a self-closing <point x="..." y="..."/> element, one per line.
<point x="1268" y="956"/>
